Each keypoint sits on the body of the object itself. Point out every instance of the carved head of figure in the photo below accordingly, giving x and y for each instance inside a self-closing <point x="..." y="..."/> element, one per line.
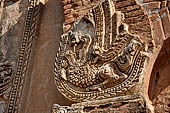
<point x="74" y="37"/>
<point x="81" y="27"/>
<point x="106" y="72"/>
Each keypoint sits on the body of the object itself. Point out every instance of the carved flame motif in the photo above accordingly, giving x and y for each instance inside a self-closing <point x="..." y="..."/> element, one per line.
<point x="98" y="58"/>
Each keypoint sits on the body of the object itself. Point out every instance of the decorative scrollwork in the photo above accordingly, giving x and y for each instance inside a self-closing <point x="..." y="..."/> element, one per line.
<point x="5" y="77"/>
<point x="29" y="35"/>
<point x="98" y="58"/>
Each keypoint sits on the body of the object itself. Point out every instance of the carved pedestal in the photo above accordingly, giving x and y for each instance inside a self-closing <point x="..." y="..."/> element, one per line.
<point x="121" y="104"/>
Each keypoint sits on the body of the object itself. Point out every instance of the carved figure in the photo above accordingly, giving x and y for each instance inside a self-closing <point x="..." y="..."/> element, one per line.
<point x="98" y="56"/>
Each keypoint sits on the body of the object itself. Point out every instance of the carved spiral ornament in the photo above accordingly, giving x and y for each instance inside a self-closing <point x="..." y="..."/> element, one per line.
<point x="101" y="56"/>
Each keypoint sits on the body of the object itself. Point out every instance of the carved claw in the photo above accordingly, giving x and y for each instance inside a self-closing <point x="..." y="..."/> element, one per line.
<point x="124" y="75"/>
<point x="63" y="74"/>
<point x="94" y="88"/>
<point x="69" y="52"/>
<point x="97" y="49"/>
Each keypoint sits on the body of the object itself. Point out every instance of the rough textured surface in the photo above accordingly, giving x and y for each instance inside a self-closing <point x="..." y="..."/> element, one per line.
<point x="162" y="101"/>
<point x="40" y="84"/>
<point x="121" y="104"/>
<point x="12" y="15"/>
<point x="74" y="9"/>
<point x="159" y="18"/>
<point x="103" y="54"/>
<point x="32" y="86"/>
<point x="160" y="75"/>
<point x="39" y="89"/>
<point x="159" y="89"/>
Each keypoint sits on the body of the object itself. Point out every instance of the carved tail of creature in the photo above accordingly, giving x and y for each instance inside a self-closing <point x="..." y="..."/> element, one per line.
<point x="111" y="35"/>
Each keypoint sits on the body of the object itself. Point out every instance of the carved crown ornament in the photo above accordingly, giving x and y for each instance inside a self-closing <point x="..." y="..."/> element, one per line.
<point x="100" y="56"/>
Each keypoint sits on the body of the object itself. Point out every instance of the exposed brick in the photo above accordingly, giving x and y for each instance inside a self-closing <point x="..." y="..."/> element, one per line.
<point x="75" y="15"/>
<point x="79" y="13"/>
<point x="65" y="2"/>
<point x="67" y="6"/>
<point x="168" y="4"/>
<point x="158" y="33"/>
<point x="134" y="20"/>
<point x="76" y="8"/>
<point x="67" y="11"/>
<point x="163" y="11"/>
<point x="146" y="1"/>
<point x="125" y="4"/>
<point x="68" y="16"/>
<point x="77" y="4"/>
<point x="164" y="14"/>
<point x="69" y="21"/>
<point x="163" y="4"/>
<point x="142" y="27"/>
<point x="86" y="2"/>
<point x="154" y="17"/>
<point x="153" y="5"/>
<point x="134" y="13"/>
<point x="95" y="1"/>
<point x="130" y="8"/>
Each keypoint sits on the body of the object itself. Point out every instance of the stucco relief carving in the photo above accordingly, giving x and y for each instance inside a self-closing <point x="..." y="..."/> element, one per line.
<point x="99" y="57"/>
<point x="121" y="104"/>
<point x="5" y="77"/>
<point x="102" y="57"/>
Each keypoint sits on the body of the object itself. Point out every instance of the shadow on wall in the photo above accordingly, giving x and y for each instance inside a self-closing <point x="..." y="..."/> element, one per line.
<point x="160" y="77"/>
<point x="40" y="92"/>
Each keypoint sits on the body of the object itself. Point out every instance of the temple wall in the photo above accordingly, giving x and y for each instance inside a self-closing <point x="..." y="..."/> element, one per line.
<point x="39" y="91"/>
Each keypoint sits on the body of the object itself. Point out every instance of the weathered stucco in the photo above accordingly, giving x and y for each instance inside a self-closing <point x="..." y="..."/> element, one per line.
<point x="38" y="92"/>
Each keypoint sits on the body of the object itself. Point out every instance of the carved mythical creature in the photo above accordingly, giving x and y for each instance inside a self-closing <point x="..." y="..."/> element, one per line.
<point x="103" y="66"/>
<point x="82" y="72"/>
<point x="98" y="54"/>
